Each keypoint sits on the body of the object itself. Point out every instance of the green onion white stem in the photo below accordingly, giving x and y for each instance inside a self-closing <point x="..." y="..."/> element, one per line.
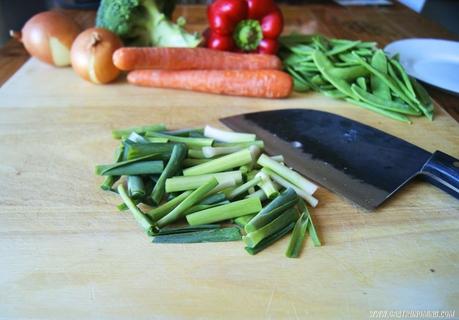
<point x="259" y="143"/>
<point x="227" y="162"/>
<point x="225" y="212"/>
<point x="309" y="199"/>
<point x="210" y="152"/>
<point x="288" y="174"/>
<point x="243" y="188"/>
<point x="227" y="136"/>
<point x="260" y="194"/>
<point x="181" y="183"/>
<point x="267" y="185"/>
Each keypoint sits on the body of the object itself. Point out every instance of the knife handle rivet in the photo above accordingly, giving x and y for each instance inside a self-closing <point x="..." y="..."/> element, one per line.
<point x="456" y="164"/>
<point x="296" y="144"/>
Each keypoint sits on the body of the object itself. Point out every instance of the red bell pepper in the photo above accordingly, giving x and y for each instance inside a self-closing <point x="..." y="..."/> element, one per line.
<point x="244" y="25"/>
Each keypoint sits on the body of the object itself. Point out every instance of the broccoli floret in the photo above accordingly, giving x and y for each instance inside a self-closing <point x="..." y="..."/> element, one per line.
<point x="144" y="23"/>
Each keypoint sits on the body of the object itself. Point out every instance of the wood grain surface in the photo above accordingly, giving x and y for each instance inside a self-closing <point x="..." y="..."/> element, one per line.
<point x="67" y="253"/>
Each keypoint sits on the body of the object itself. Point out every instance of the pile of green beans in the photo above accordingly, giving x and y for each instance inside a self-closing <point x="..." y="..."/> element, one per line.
<point x="355" y="71"/>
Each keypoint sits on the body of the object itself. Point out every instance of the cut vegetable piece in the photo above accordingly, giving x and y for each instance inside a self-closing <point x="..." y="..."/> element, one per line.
<point x="196" y="154"/>
<point x="287" y="217"/>
<point x="379" y="87"/>
<point x="157" y="213"/>
<point x="288" y="174"/>
<point x="186" y="229"/>
<point x="191" y="142"/>
<point x="242" y="221"/>
<point x="135" y="168"/>
<point x="260" y="194"/>
<point x="278" y="158"/>
<point x="284" y="201"/>
<point x="228" y="136"/>
<point x="225" y="212"/>
<point x="243" y="188"/>
<point x="214" y="198"/>
<point x="213" y="235"/>
<point x="210" y="152"/>
<point x="184" y="132"/>
<point x="311" y="228"/>
<point x="267" y="185"/>
<point x="173" y="166"/>
<point x="141" y="219"/>
<point x="117" y="134"/>
<point x="157" y="151"/>
<point x="137" y="138"/>
<point x="298" y="235"/>
<point x="259" y="143"/>
<point x="424" y="101"/>
<point x="109" y="181"/>
<point x="310" y="199"/>
<point x="227" y="162"/>
<point x="270" y="240"/>
<point x="190" y="162"/>
<point x="195" y="197"/>
<point x="157" y="140"/>
<point x="136" y="187"/>
<point x="181" y="183"/>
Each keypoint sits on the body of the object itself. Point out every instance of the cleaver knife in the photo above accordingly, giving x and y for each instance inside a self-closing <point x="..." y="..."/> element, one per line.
<point x="361" y="163"/>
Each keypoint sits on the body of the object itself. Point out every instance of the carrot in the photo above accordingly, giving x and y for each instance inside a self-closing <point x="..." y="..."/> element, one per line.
<point x="249" y="83"/>
<point x="191" y="59"/>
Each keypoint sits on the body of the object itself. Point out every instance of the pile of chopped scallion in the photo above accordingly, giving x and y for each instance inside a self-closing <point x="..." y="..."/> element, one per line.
<point x="219" y="183"/>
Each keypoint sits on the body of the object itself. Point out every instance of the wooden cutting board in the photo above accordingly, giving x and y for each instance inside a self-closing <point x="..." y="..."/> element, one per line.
<point x="67" y="253"/>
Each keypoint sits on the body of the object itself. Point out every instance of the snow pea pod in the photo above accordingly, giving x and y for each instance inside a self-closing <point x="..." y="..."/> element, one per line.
<point x="349" y="73"/>
<point x="379" y="87"/>
<point x="324" y="65"/>
<point x="406" y="79"/>
<point x="335" y="94"/>
<point x="400" y="84"/>
<point x="425" y="102"/>
<point x="362" y="83"/>
<point x="390" y="114"/>
<point x="383" y="103"/>
<point x="342" y="47"/>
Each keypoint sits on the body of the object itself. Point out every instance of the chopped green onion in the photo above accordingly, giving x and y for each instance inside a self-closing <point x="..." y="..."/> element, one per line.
<point x="267" y="185"/>
<point x="143" y="220"/>
<point x="297" y="239"/>
<point x="270" y="240"/>
<point x="214" y="198"/>
<point x="210" y="152"/>
<point x="184" y="132"/>
<point x="190" y="162"/>
<point x="284" y="201"/>
<point x="185" y="229"/>
<point x="213" y="235"/>
<point x="157" y="140"/>
<point x="311" y="228"/>
<point x="243" y="188"/>
<point x="259" y="143"/>
<point x="191" y="142"/>
<point x="157" y="213"/>
<point x="123" y="207"/>
<point x="117" y="134"/>
<point x="278" y="158"/>
<point x="195" y="197"/>
<point x="225" y="212"/>
<point x="220" y="164"/>
<point x="157" y="151"/>
<point x="283" y="220"/>
<point x="137" y="138"/>
<point x="181" y="183"/>
<point x="260" y="194"/>
<point x="227" y="136"/>
<point x="201" y="207"/>
<point x="288" y="174"/>
<point x="109" y="181"/>
<point x="242" y="221"/>
<point x="136" y="187"/>
<point x="173" y="166"/>
<point x="133" y="168"/>
<point x="196" y="154"/>
<point x="310" y="199"/>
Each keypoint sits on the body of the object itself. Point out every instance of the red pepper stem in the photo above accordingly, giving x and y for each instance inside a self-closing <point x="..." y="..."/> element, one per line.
<point x="248" y="35"/>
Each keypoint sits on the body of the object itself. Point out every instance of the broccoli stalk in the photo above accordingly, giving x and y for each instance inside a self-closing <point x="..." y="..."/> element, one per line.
<point x="144" y="23"/>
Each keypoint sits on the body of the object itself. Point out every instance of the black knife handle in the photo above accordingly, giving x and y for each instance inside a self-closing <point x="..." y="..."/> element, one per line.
<point x="442" y="171"/>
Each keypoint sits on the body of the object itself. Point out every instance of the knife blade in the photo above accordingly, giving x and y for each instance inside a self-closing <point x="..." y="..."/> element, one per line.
<point x="361" y="163"/>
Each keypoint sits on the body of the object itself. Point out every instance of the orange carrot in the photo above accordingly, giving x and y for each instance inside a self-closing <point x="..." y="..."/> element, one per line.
<point x="249" y="83"/>
<point x="191" y="59"/>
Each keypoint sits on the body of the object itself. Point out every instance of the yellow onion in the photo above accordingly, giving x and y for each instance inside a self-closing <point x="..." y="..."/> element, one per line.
<point x="91" y="55"/>
<point x="48" y="36"/>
